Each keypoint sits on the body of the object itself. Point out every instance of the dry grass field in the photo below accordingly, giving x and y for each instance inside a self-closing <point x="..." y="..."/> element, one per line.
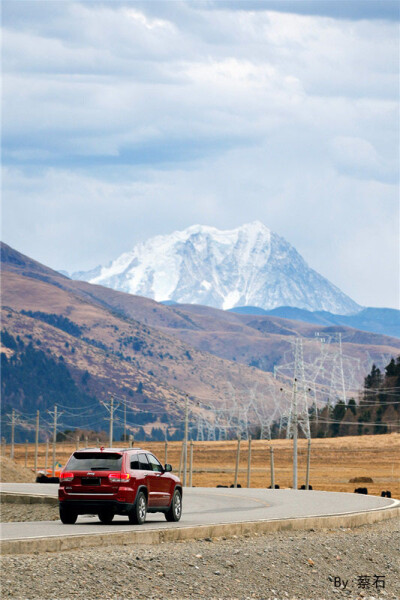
<point x="334" y="461"/>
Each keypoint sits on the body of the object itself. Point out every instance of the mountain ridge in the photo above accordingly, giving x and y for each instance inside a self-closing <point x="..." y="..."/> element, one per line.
<point x="125" y="341"/>
<point x="249" y="265"/>
<point x="385" y="321"/>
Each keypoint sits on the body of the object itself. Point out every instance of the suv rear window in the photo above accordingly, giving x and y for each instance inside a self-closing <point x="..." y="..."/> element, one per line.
<point x="104" y="461"/>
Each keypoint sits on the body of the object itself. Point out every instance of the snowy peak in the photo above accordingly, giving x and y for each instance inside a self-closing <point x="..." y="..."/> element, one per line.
<point x="246" y="266"/>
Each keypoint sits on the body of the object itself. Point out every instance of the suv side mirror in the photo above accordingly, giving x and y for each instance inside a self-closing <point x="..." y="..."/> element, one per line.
<point x="167" y="467"/>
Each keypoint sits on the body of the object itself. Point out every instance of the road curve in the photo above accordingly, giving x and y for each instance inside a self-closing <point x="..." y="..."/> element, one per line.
<point x="204" y="506"/>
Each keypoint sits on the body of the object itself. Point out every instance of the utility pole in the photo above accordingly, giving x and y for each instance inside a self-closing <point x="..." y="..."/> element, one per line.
<point x="185" y="440"/>
<point x="191" y="463"/>
<point x="271" y="456"/>
<point x="181" y="460"/>
<point x="26" y="453"/>
<point x="55" y="415"/>
<point x="249" y="463"/>
<point x="308" y="464"/>
<point x="111" y="410"/>
<point x="111" y="421"/>
<point x="54" y="439"/>
<point x="124" y="421"/>
<point x="46" y="457"/>
<point x="295" y="427"/>
<point x="36" y="440"/>
<point x="12" y="433"/>
<point x="237" y="461"/>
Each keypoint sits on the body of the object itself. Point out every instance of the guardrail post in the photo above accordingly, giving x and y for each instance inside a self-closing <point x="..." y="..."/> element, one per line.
<point x="165" y="452"/>
<point x="26" y="453"/>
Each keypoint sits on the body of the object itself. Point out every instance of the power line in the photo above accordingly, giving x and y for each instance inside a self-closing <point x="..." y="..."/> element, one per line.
<point x="364" y="423"/>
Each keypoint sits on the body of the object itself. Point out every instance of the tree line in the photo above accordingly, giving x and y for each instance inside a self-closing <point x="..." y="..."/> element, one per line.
<point x="377" y="410"/>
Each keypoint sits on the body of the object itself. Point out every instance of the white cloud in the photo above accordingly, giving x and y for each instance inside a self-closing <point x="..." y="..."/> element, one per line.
<point x="358" y="157"/>
<point x="124" y="120"/>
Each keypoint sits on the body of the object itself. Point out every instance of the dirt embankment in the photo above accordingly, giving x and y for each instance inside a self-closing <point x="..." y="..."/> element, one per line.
<point x="12" y="472"/>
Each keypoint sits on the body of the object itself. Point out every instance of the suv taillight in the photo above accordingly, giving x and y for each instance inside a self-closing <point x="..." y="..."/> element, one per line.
<point x="119" y="477"/>
<point x="66" y="476"/>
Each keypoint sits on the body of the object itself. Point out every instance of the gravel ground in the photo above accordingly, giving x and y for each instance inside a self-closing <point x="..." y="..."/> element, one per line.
<point x="300" y="565"/>
<point x="10" y="513"/>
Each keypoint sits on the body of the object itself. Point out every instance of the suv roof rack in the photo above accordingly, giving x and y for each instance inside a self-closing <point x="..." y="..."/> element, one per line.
<point x="107" y="448"/>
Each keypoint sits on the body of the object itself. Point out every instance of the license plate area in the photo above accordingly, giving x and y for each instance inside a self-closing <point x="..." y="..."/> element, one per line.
<point x="90" y="481"/>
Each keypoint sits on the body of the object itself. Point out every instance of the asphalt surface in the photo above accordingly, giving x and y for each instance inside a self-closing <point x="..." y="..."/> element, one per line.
<point x="202" y="506"/>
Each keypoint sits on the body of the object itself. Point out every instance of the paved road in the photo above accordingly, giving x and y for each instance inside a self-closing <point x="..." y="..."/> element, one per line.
<point x="203" y="506"/>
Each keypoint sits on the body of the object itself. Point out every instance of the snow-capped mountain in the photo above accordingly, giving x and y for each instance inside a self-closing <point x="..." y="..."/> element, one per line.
<point x="247" y="266"/>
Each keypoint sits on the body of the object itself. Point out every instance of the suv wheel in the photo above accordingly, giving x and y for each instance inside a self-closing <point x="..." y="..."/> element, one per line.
<point x="67" y="515"/>
<point x="175" y="510"/>
<point x="106" y="516"/>
<point x="138" y="513"/>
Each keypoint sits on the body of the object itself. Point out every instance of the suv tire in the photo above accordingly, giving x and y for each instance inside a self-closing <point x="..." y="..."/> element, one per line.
<point x="67" y="515"/>
<point x="106" y="516"/>
<point x="174" y="512"/>
<point x="137" y="515"/>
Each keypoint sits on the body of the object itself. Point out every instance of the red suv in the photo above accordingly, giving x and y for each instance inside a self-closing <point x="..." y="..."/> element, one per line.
<point x="109" y="481"/>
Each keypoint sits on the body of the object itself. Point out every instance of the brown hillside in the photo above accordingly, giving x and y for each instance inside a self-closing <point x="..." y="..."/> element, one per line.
<point x="166" y="366"/>
<point x="172" y="350"/>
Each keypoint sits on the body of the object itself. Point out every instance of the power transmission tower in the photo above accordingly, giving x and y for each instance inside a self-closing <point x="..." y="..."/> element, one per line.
<point x="299" y="405"/>
<point x="337" y="387"/>
<point x="200" y="429"/>
<point x="295" y="432"/>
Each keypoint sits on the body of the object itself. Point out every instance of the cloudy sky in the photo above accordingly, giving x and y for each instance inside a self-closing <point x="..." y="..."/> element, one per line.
<point x="123" y="120"/>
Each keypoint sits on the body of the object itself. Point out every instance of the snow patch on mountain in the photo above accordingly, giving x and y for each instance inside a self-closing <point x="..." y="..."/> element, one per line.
<point x="246" y="266"/>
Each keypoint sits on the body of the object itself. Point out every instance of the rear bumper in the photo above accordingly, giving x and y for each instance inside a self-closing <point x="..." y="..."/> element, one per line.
<point x="93" y="507"/>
